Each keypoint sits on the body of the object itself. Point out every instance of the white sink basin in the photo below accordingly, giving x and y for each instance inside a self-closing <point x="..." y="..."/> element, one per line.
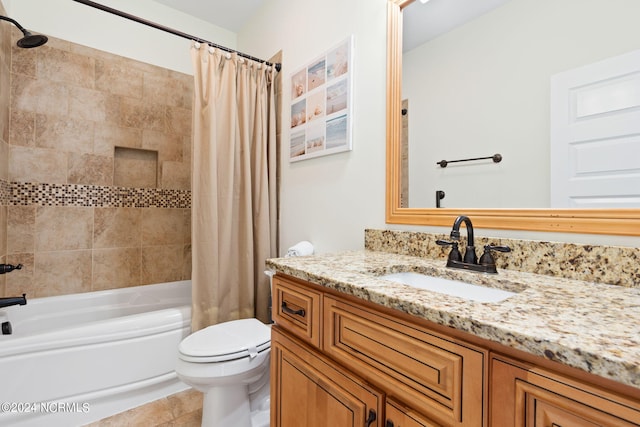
<point x="450" y="287"/>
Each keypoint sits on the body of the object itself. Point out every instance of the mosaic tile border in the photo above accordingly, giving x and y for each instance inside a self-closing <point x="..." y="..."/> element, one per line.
<point x="601" y="264"/>
<point x="41" y="194"/>
<point x="5" y="192"/>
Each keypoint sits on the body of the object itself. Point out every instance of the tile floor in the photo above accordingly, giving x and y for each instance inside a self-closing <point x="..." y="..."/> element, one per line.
<point x="182" y="409"/>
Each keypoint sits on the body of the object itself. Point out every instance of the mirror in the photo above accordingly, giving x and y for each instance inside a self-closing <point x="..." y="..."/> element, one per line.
<point x="622" y="221"/>
<point x="471" y="92"/>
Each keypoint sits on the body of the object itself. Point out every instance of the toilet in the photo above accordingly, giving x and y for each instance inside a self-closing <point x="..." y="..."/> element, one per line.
<point x="229" y="363"/>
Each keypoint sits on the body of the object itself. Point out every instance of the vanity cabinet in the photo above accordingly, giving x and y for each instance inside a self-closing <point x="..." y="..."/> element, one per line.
<point x="321" y="342"/>
<point x="338" y="361"/>
<point x="528" y="396"/>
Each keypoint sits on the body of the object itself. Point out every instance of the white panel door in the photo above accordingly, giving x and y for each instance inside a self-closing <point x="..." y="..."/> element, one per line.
<point x="595" y="135"/>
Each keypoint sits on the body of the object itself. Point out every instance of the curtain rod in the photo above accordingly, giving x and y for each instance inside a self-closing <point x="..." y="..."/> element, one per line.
<point x="170" y="30"/>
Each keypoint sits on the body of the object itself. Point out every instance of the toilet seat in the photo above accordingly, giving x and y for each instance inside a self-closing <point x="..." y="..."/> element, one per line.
<point x="226" y="341"/>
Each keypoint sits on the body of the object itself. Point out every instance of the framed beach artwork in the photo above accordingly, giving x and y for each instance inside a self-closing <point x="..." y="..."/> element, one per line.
<point x="321" y="104"/>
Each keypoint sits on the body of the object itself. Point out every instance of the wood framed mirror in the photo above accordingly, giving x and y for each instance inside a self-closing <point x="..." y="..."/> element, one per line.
<point x="612" y="221"/>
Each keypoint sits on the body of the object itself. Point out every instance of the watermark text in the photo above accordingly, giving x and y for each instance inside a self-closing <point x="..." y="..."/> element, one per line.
<point x="45" y="407"/>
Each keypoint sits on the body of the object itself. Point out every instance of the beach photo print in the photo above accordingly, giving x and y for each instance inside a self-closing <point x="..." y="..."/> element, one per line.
<point x="321" y="104"/>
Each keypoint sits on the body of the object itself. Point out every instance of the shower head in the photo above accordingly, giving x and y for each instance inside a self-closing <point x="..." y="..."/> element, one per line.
<point x="32" y="40"/>
<point x="29" y="40"/>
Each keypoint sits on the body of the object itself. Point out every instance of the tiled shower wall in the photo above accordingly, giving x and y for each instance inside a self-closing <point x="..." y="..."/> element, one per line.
<point x="62" y="217"/>
<point x="5" y="82"/>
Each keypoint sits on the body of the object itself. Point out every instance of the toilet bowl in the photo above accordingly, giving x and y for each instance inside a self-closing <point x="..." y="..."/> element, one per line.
<point x="229" y="363"/>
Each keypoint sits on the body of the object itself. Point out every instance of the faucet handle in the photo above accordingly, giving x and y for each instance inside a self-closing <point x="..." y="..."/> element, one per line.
<point x="441" y="242"/>
<point x="454" y="255"/>
<point x="497" y="248"/>
<point x="487" y="258"/>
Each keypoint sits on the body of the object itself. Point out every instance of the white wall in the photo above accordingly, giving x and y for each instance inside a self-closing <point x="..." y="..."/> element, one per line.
<point x="330" y="200"/>
<point x="78" y="23"/>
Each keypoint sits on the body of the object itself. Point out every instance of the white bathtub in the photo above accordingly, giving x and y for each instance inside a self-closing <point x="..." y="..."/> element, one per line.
<point x="78" y="358"/>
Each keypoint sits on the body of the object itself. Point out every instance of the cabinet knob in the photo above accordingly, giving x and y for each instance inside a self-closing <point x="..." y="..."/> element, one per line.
<point x="389" y="423"/>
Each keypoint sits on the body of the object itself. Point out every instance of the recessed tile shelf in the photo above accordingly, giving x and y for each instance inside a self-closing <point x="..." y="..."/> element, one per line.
<point x="135" y="167"/>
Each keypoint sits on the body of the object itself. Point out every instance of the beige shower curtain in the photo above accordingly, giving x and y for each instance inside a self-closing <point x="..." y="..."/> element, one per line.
<point x="233" y="186"/>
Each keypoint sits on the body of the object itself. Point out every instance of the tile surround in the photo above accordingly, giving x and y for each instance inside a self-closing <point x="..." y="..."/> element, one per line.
<point x="69" y="243"/>
<point x="60" y="272"/>
<point x="5" y="118"/>
<point x="72" y="105"/>
<point x="127" y="271"/>
<point x="62" y="214"/>
<point x="117" y="227"/>
<point x="90" y="168"/>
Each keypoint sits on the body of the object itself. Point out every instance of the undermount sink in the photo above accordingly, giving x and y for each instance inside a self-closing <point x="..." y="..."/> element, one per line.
<point x="450" y="287"/>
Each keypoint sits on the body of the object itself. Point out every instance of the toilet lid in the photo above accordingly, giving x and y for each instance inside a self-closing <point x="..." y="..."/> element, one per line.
<point x="226" y="341"/>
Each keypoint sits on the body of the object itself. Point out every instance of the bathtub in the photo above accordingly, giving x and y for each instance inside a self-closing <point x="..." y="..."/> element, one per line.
<point x="75" y="359"/>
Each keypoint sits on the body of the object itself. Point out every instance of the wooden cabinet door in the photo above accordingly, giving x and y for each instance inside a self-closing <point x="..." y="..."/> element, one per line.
<point x="397" y="415"/>
<point x="538" y="398"/>
<point x="540" y="407"/>
<point x="308" y="390"/>
<point x="435" y="375"/>
<point x="543" y="413"/>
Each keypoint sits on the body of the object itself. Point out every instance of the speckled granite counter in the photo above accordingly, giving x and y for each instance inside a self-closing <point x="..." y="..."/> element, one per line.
<point x="589" y="326"/>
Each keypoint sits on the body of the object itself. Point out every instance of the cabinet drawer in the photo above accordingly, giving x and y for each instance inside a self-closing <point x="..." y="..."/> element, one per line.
<point x="297" y="309"/>
<point x="432" y="374"/>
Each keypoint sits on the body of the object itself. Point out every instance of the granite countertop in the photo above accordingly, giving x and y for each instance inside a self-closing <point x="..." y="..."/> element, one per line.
<point x="589" y="326"/>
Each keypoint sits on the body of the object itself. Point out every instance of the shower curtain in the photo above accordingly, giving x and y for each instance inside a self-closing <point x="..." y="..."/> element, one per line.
<point x="233" y="187"/>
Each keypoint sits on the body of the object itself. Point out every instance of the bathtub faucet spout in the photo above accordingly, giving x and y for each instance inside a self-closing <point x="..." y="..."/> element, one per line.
<point x="6" y="302"/>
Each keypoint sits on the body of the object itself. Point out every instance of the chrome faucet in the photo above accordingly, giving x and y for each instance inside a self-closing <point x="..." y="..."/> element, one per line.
<point x="470" y="260"/>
